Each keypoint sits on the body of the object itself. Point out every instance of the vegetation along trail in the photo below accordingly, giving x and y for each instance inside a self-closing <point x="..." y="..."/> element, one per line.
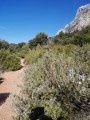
<point x="9" y="86"/>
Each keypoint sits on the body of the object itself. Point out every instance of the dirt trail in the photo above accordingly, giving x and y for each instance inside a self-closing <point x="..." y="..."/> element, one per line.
<point x="9" y="87"/>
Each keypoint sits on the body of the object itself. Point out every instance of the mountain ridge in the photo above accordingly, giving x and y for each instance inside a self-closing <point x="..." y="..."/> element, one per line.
<point x="81" y="20"/>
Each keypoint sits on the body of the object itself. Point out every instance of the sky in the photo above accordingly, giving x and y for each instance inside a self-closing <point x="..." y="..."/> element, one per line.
<point x="21" y="20"/>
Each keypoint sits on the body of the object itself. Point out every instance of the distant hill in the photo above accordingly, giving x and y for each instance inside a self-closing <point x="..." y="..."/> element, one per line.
<point x="82" y="20"/>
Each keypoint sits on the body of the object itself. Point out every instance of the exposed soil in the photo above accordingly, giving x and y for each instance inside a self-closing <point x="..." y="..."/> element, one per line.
<point x="10" y="83"/>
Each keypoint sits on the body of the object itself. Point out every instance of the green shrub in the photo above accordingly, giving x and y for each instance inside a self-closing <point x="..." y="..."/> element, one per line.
<point x="60" y="49"/>
<point x="33" y="55"/>
<point x="24" y="50"/>
<point x="9" y="61"/>
<point x="4" y="44"/>
<point x="54" y="83"/>
<point x="1" y="69"/>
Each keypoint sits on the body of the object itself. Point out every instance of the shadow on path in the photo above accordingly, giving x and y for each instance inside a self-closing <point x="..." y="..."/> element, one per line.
<point x="3" y="97"/>
<point x="20" y="67"/>
<point x="1" y="80"/>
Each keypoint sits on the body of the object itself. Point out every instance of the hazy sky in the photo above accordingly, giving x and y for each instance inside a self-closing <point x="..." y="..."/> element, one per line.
<point x="21" y="20"/>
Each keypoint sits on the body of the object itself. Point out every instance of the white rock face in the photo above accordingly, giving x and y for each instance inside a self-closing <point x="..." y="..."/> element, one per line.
<point x="81" y="20"/>
<point x="59" y="31"/>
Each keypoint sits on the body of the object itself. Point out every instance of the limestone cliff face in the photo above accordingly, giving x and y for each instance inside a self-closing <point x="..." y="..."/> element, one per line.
<point x="81" y="20"/>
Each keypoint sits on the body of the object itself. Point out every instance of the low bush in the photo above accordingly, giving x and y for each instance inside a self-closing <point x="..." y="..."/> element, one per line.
<point x="9" y="61"/>
<point x="58" y="83"/>
<point x="33" y="55"/>
<point x="1" y="69"/>
<point x="24" y="50"/>
<point x="66" y="48"/>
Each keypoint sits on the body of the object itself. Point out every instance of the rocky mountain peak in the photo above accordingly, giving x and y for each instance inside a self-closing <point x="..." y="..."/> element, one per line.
<point x="82" y="19"/>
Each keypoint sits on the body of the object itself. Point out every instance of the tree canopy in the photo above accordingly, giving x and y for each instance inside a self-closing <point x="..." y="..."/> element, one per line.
<point x="41" y="39"/>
